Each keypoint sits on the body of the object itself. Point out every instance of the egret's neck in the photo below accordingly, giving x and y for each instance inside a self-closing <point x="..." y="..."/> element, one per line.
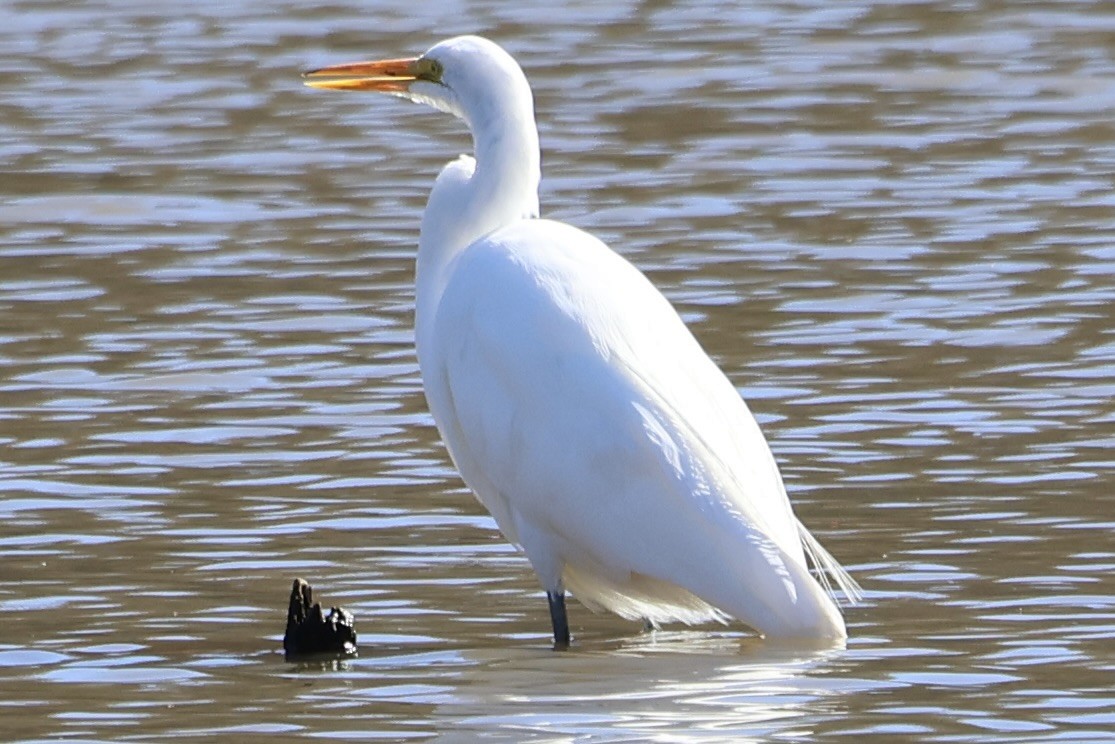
<point x="473" y="198"/>
<point x="504" y="185"/>
<point x="507" y="164"/>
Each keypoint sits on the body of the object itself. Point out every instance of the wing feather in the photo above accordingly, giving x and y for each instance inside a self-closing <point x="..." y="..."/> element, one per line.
<point x="581" y="410"/>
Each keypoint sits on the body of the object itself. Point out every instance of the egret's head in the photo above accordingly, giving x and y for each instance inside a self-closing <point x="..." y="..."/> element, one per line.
<point x="467" y="76"/>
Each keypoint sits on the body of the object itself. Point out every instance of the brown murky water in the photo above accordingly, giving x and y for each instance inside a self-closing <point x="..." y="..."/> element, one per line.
<point x="892" y="224"/>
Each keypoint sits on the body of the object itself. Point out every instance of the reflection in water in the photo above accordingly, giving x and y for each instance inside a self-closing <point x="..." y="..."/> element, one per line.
<point x="890" y="224"/>
<point x="699" y="683"/>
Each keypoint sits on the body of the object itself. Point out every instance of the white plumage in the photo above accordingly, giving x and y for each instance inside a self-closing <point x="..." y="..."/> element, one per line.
<point x="572" y="398"/>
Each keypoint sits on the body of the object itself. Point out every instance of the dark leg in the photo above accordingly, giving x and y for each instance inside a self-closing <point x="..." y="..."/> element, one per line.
<point x="559" y="619"/>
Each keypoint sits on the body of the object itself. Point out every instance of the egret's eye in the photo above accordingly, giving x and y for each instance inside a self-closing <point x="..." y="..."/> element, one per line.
<point x="428" y="69"/>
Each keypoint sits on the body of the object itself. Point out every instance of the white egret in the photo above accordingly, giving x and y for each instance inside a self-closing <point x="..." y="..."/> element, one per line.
<point x="573" y="399"/>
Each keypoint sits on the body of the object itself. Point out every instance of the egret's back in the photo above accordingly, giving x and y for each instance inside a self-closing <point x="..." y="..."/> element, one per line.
<point x="589" y="421"/>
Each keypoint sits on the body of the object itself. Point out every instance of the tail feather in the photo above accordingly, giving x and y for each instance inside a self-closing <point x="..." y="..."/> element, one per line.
<point x="828" y="569"/>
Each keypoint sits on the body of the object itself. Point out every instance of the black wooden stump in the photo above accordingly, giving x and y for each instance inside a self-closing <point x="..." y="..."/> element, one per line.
<point x="310" y="631"/>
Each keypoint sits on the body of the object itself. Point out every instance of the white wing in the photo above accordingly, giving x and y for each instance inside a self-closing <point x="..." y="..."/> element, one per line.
<point x="588" y="420"/>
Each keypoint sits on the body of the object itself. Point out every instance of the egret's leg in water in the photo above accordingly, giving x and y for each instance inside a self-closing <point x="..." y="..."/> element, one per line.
<point x="559" y="618"/>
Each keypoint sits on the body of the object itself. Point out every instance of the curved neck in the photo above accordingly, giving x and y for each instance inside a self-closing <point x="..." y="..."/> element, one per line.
<point x="504" y="187"/>
<point x="471" y="199"/>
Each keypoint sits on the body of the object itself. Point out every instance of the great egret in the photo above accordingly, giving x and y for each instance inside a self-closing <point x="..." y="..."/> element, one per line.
<point x="573" y="399"/>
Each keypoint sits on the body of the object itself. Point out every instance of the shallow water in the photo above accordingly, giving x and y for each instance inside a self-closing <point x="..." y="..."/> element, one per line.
<point x="891" y="224"/>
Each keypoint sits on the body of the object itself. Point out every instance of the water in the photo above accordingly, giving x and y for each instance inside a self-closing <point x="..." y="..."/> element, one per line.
<point x="891" y="224"/>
